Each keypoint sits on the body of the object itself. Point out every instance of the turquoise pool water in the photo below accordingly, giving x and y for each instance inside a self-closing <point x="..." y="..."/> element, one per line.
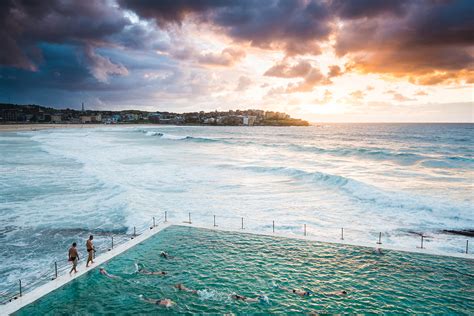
<point x="218" y="264"/>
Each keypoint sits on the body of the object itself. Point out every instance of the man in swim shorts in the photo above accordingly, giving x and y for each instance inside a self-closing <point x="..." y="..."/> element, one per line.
<point x="73" y="257"/>
<point x="90" y="250"/>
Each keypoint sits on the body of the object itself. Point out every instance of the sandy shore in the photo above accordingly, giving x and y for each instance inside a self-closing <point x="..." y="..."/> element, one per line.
<point x="37" y="127"/>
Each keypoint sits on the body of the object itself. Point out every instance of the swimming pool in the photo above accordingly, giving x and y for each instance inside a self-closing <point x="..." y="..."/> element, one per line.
<point x="219" y="264"/>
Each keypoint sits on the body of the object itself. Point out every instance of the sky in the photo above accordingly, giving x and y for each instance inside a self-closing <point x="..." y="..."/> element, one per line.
<point x="320" y="60"/>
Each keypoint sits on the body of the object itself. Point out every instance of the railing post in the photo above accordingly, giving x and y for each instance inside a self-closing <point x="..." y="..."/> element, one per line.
<point x="305" y="229"/>
<point x="467" y="246"/>
<point x="190" y="218"/>
<point x="342" y="233"/>
<point x="56" y="269"/>
<point x="134" y="232"/>
<point x="20" y="288"/>
<point x="380" y="239"/>
<point x="112" y="242"/>
<point x="422" y="241"/>
<point x="166" y="216"/>
<point x="215" y="221"/>
<point x="242" y="223"/>
<point x="273" y="226"/>
<point x="154" y="225"/>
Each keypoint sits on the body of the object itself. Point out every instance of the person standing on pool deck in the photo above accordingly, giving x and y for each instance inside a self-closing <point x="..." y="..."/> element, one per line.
<point x="90" y="250"/>
<point x="73" y="257"/>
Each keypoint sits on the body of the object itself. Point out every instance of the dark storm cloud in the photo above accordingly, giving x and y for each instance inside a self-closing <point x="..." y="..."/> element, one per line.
<point x="294" y="26"/>
<point x="354" y="9"/>
<point x="25" y="24"/>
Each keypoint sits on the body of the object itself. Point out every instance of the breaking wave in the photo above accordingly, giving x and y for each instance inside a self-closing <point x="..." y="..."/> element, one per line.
<point x="365" y="193"/>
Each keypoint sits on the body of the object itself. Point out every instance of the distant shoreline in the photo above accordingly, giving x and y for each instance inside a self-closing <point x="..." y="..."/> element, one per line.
<point x="42" y="126"/>
<point x="37" y="127"/>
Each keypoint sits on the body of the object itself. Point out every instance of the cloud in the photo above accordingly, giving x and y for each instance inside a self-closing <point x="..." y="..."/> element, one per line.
<point x="314" y="78"/>
<point x="356" y="9"/>
<point x="292" y="26"/>
<point x="428" y="42"/>
<point x="357" y="95"/>
<point x="228" y="57"/>
<point x="26" y="24"/>
<point x="325" y="99"/>
<point x="244" y="83"/>
<point x="301" y="69"/>
<point x="334" y="71"/>
<point x="102" y="67"/>
<point x="398" y="96"/>
<point x="421" y="93"/>
<point x="286" y="70"/>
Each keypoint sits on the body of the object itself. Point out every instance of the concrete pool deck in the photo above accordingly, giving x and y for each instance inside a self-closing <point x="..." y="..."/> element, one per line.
<point x="62" y="280"/>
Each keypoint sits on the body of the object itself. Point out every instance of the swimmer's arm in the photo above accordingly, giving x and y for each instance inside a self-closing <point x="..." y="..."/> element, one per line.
<point x="148" y="300"/>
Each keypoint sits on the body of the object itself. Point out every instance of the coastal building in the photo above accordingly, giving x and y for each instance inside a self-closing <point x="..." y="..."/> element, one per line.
<point x="86" y="119"/>
<point x="248" y="120"/>
<point x="56" y="118"/>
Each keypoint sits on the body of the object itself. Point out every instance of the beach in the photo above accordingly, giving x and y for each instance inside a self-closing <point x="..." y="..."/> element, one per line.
<point x="37" y="127"/>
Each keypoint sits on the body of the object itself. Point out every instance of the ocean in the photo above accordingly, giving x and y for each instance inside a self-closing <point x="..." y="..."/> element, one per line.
<point x="401" y="180"/>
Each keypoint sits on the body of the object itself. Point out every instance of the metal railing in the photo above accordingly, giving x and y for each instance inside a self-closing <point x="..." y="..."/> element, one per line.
<point x="339" y="233"/>
<point x="59" y="267"/>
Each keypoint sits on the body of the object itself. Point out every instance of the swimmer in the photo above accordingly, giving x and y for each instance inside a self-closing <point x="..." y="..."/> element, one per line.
<point x="142" y="270"/>
<point x="301" y="293"/>
<point x="165" y="255"/>
<point x="336" y="293"/>
<point x="181" y="287"/>
<point x="260" y="298"/>
<point x="165" y="302"/>
<point x="103" y="272"/>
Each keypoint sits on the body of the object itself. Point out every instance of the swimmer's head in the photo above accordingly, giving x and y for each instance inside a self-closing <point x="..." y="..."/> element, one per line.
<point x="344" y="292"/>
<point x="263" y="299"/>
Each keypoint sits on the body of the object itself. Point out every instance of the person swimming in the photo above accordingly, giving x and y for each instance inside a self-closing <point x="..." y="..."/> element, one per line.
<point x="105" y="273"/>
<point x="260" y="298"/>
<point x="165" y="302"/>
<point x="142" y="270"/>
<point x="301" y="293"/>
<point x="165" y="255"/>
<point x="183" y="288"/>
<point x="336" y="293"/>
